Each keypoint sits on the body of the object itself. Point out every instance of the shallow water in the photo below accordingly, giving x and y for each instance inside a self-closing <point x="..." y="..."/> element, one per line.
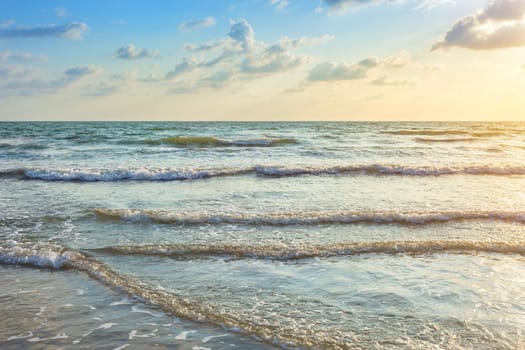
<point x="308" y="235"/>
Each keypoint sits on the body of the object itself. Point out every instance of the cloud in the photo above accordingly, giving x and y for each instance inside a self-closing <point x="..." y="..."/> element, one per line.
<point x="271" y="62"/>
<point x="80" y="71"/>
<point x="61" y="12"/>
<point x="330" y="71"/>
<point x="26" y="87"/>
<point x="500" y="25"/>
<point x="384" y="81"/>
<point x="73" y="30"/>
<point x="131" y="52"/>
<point x="242" y="32"/>
<point x="203" y="23"/>
<point x="6" y="55"/>
<point x="280" y="4"/>
<point x="431" y="4"/>
<point x="397" y="61"/>
<point x="116" y="83"/>
<point x="207" y="46"/>
<point x="188" y="64"/>
<point x="342" y="6"/>
<point x="6" y="23"/>
<point x="238" y="57"/>
<point x="8" y="71"/>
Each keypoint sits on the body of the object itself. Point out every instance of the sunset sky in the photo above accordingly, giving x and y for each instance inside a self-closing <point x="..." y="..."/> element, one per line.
<point x="262" y="60"/>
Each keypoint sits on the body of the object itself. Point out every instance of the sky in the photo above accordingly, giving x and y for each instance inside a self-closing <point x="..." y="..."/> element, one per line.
<point x="250" y="60"/>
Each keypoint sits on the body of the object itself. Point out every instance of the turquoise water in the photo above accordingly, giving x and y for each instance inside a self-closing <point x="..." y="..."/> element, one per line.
<point x="307" y="235"/>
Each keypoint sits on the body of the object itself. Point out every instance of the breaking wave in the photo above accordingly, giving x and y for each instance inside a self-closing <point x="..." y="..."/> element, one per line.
<point x="179" y="174"/>
<point x="445" y="140"/>
<point x="288" y="219"/>
<point x="441" y="132"/>
<point x="306" y="252"/>
<point x="210" y="141"/>
<point x="59" y="257"/>
<point x="121" y="174"/>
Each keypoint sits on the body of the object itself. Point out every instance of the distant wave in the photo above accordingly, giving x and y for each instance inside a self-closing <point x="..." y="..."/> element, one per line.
<point x="441" y="132"/>
<point x="306" y="252"/>
<point x="21" y="146"/>
<point x="180" y="174"/>
<point x="315" y="218"/>
<point x="386" y="170"/>
<point x="446" y="140"/>
<point x="210" y="141"/>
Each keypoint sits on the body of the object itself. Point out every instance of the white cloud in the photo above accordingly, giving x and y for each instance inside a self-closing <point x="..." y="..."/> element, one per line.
<point x="342" y="6"/>
<point x="242" y="32"/>
<point x="207" y="46"/>
<point x="73" y="30"/>
<point x="280" y="4"/>
<point x="500" y="25"/>
<point x="237" y="57"/>
<point x="80" y="71"/>
<point x="202" y="23"/>
<point x="61" y="12"/>
<point x="397" y="61"/>
<point x="188" y="64"/>
<point x="431" y="4"/>
<point x="384" y="81"/>
<point x="6" y="55"/>
<point x="6" y="23"/>
<point x="330" y="71"/>
<point x="35" y="86"/>
<point x="8" y="71"/>
<point x="131" y="52"/>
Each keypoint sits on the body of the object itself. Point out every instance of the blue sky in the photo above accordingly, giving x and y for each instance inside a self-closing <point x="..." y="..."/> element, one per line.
<point x="262" y="60"/>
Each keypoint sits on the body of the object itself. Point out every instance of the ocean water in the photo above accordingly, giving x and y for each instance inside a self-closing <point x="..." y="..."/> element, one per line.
<point x="262" y="235"/>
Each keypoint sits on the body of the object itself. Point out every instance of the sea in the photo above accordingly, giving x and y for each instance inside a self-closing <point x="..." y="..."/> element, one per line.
<point x="285" y="235"/>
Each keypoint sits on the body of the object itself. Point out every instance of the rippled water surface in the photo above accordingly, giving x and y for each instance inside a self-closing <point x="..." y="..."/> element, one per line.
<point x="307" y="235"/>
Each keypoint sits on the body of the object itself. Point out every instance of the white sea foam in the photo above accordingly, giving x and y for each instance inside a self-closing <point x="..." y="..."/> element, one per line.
<point x="124" y="301"/>
<point x="183" y="307"/>
<point x="136" y="308"/>
<point x="135" y="334"/>
<point x="131" y="174"/>
<point x="386" y="169"/>
<point x="25" y="335"/>
<point x="308" y="218"/>
<point x="183" y="174"/>
<point x="36" y="255"/>
<point x="184" y="335"/>
<point x="207" y="339"/>
<point x="58" y="336"/>
<point x="122" y="347"/>
<point x="313" y="251"/>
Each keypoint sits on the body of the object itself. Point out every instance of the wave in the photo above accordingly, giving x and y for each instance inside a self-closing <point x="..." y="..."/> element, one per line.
<point x="391" y="170"/>
<point x="37" y="255"/>
<point x="319" y="218"/>
<point x="58" y="257"/>
<point x="307" y="252"/>
<point x="120" y="174"/>
<point x="22" y="146"/>
<point x="447" y="140"/>
<point x="179" y="174"/>
<point x="210" y="141"/>
<point x="440" y="132"/>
